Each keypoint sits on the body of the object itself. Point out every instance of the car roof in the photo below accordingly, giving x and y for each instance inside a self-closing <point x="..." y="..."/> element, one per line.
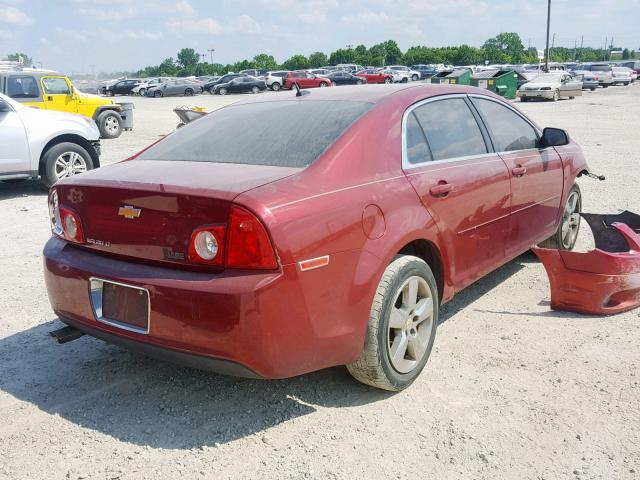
<point x="372" y="93"/>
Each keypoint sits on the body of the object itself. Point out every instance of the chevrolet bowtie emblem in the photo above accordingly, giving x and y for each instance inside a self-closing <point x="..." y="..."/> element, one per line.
<point x="128" y="211"/>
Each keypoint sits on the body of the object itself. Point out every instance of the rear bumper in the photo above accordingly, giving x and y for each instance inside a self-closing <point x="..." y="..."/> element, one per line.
<point x="546" y="94"/>
<point x="261" y="324"/>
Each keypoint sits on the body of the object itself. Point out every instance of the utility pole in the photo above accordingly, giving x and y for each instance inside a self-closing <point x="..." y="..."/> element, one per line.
<point x="575" y="49"/>
<point x="604" y="50"/>
<point x="211" y="50"/>
<point x="349" y="47"/>
<point x="546" y="60"/>
<point x="581" y="44"/>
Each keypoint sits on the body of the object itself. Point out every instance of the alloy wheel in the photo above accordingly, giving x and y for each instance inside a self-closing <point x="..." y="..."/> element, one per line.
<point x="69" y="164"/>
<point x="571" y="220"/>
<point x="410" y="324"/>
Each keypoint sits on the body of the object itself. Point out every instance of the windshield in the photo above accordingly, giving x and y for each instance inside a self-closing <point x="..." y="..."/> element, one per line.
<point x="548" y="77"/>
<point x="299" y="132"/>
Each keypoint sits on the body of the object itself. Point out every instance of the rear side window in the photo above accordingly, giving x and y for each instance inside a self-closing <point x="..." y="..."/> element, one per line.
<point x="22" y="86"/>
<point x="54" y="86"/>
<point x="416" y="143"/>
<point x="601" y="68"/>
<point x="509" y="130"/>
<point x="451" y="129"/>
<point x="300" y="132"/>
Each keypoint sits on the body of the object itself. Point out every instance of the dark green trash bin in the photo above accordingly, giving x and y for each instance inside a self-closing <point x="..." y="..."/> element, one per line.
<point x="440" y="76"/>
<point x="461" y="76"/>
<point x="502" y="82"/>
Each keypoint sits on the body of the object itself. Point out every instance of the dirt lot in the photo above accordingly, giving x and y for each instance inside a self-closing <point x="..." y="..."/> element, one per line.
<point x="512" y="389"/>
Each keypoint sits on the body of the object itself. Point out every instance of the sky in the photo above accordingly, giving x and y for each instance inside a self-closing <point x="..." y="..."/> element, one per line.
<point x="83" y="36"/>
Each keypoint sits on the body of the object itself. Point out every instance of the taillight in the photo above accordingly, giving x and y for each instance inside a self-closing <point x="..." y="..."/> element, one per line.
<point x="71" y="225"/>
<point x="54" y="213"/>
<point x="248" y="243"/>
<point x="207" y="245"/>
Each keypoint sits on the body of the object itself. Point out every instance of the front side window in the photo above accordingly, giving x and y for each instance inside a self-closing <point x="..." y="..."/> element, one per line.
<point x="508" y="130"/>
<point x="55" y="86"/>
<point x="22" y="86"/>
<point x="451" y="129"/>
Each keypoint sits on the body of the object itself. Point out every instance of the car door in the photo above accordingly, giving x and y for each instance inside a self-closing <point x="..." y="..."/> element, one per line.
<point x="14" y="154"/>
<point x="235" y="85"/>
<point x="536" y="174"/>
<point x="570" y="87"/>
<point x="465" y="187"/>
<point x="57" y="94"/>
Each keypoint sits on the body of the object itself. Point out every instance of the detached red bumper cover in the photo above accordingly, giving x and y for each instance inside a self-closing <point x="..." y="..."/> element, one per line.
<point x="603" y="281"/>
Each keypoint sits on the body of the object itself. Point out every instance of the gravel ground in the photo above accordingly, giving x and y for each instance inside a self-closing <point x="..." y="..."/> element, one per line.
<point x="512" y="389"/>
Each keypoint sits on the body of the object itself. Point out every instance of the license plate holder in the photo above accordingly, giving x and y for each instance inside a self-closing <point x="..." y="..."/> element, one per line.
<point x="120" y="305"/>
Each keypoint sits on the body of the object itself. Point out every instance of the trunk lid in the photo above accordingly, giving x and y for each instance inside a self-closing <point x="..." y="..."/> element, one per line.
<point x="148" y="209"/>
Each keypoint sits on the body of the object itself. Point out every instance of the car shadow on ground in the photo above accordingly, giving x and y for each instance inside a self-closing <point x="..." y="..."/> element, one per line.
<point x="21" y="188"/>
<point x="150" y="403"/>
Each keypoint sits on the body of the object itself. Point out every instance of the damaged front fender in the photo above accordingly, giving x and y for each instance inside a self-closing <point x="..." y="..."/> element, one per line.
<point x="603" y="281"/>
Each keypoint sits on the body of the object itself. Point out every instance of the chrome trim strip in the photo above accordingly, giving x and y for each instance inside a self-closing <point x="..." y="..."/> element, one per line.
<point x="95" y="295"/>
<point x="509" y="106"/>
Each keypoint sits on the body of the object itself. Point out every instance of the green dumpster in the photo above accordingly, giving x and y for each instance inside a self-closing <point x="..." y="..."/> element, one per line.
<point x="461" y="76"/>
<point x="502" y="82"/>
<point x="440" y="76"/>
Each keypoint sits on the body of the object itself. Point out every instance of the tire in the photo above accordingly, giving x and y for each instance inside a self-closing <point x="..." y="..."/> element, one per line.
<point x="142" y="92"/>
<point x="405" y="80"/>
<point x="556" y="96"/>
<point x="157" y="94"/>
<point x="414" y="78"/>
<point x="524" y="99"/>
<point x="358" y="82"/>
<point x="110" y="93"/>
<point x="188" y="92"/>
<point x="275" y="86"/>
<point x="593" y="89"/>
<point x="571" y="98"/>
<point x="413" y="335"/>
<point x="64" y="160"/>
<point x="387" y="80"/>
<point x="255" y="90"/>
<point x="567" y="233"/>
<point x="110" y="124"/>
<point x="211" y="91"/>
<point x="324" y="84"/>
<point x="605" y="85"/>
<point x="222" y="91"/>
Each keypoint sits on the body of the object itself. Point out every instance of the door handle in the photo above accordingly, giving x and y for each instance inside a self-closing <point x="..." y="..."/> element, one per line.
<point x="518" y="171"/>
<point x="441" y="190"/>
<point x="50" y="98"/>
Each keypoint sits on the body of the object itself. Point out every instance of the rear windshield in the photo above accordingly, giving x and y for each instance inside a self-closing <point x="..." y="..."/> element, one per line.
<point x="286" y="133"/>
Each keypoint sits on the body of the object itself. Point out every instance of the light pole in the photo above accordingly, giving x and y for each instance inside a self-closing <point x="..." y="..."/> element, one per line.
<point x="349" y="47"/>
<point x="211" y="50"/>
<point x="546" y="59"/>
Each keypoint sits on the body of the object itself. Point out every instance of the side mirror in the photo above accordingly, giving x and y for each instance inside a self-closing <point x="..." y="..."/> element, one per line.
<point x="554" y="137"/>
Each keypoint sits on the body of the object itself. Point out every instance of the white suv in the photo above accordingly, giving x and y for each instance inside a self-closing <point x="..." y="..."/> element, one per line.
<point x="45" y="143"/>
<point x="398" y="76"/>
<point x="275" y="80"/>
<point x="413" y="74"/>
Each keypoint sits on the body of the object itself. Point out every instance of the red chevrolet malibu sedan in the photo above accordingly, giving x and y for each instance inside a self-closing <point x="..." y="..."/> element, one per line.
<point x="330" y="237"/>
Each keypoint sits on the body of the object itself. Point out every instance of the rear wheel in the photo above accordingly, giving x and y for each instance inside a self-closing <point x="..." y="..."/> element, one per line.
<point x="275" y="86"/>
<point x="402" y="326"/>
<point x="255" y="90"/>
<point x="405" y="80"/>
<point x="524" y="99"/>
<point x="358" y="82"/>
<point x="188" y="92"/>
<point x="387" y="80"/>
<point x="65" y="160"/>
<point x="212" y="91"/>
<point x="567" y="233"/>
<point x="110" y="124"/>
<point x="414" y="77"/>
<point x="222" y="91"/>
<point x="142" y="92"/>
<point x="323" y="84"/>
<point x="157" y="94"/>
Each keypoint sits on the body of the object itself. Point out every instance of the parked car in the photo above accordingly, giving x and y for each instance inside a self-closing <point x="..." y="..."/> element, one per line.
<point x="349" y="67"/>
<point x="241" y="85"/>
<point x="49" y="90"/>
<point x="191" y="250"/>
<point x="603" y="70"/>
<point x="305" y="80"/>
<point x="141" y="88"/>
<point x="398" y="76"/>
<point x="551" y="86"/>
<point x="413" y="74"/>
<point x="210" y="86"/>
<point x="323" y="72"/>
<point x="256" y="72"/>
<point x="274" y="80"/>
<point x="375" y="76"/>
<point x="45" y="144"/>
<point x="174" y="86"/>
<point x="426" y="71"/>
<point x="622" y="75"/>
<point x="589" y="79"/>
<point x="632" y="64"/>
<point x="123" y="87"/>
<point x="345" y="78"/>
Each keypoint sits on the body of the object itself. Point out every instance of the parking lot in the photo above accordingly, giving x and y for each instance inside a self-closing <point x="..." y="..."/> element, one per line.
<point x="512" y="389"/>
